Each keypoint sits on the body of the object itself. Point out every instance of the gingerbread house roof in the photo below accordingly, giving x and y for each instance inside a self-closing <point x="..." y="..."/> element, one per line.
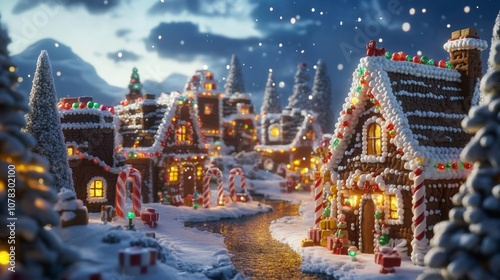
<point x="422" y="106"/>
<point x="168" y="105"/>
<point x="294" y="125"/>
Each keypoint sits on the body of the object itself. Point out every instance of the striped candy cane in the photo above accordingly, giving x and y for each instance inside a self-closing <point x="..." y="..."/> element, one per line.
<point x="135" y="175"/>
<point x="318" y="200"/>
<point x="419" y="241"/>
<point x="212" y="171"/>
<point x="232" y="188"/>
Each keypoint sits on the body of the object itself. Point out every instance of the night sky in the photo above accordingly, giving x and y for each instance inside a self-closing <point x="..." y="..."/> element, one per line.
<point x="173" y="38"/>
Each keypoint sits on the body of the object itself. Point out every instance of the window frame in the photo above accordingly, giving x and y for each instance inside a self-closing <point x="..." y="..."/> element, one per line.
<point x="90" y="185"/>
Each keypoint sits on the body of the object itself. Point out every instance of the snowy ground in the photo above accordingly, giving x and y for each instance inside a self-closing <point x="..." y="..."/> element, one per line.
<point x="189" y="253"/>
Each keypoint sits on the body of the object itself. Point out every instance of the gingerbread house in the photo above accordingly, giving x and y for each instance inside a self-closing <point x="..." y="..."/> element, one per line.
<point x="395" y="154"/>
<point x="89" y="133"/>
<point x="287" y="141"/>
<point x="162" y="139"/>
<point x="228" y="120"/>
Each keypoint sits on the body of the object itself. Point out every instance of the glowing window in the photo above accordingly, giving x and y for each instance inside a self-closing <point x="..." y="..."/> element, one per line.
<point x="274" y="132"/>
<point x="208" y="109"/>
<point x="183" y="135"/>
<point x="173" y="174"/>
<point x="208" y="86"/>
<point x="71" y="151"/>
<point x="96" y="189"/>
<point x="199" y="172"/>
<point x="310" y="134"/>
<point x="393" y="207"/>
<point x="374" y="139"/>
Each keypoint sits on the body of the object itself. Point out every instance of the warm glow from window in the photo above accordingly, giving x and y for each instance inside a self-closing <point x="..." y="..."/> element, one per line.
<point x="354" y="199"/>
<point x="296" y="162"/>
<point x="183" y="135"/>
<point x="173" y="173"/>
<point x="275" y="131"/>
<point x="374" y="139"/>
<point x="378" y="199"/>
<point x="4" y="258"/>
<point x="393" y="210"/>
<point x="208" y="109"/>
<point x="199" y="172"/>
<point x="310" y="134"/>
<point x="244" y="109"/>
<point x="97" y="189"/>
<point x="208" y="86"/>
<point x="71" y="151"/>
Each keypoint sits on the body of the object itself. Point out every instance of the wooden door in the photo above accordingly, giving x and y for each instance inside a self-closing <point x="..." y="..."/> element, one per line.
<point x="367" y="226"/>
<point x="189" y="179"/>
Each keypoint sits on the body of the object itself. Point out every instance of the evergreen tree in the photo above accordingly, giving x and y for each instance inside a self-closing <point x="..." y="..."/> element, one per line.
<point x="300" y="97"/>
<point x="234" y="80"/>
<point x="134" y="86"/>
<point x="494" y="39"/>
<point x="271" y="102"/>
<point x="468" y="245"/>
<point x="322" y="97"/>
<point x="39" y="252"/>
<point x="44" y="124"/>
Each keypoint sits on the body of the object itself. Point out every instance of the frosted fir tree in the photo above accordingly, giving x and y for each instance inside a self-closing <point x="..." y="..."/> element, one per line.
<point x="300" y="97"/>
<point x="134" y="86"/>
<point x="322" y="97"/>
<point x="39" y="253"/>
<point x="468" y="245"/>
<point x="44" y="125"/>
<point x="494" y="39"/>
<point x="234" y="80"/>
<point x="271" y="102"/>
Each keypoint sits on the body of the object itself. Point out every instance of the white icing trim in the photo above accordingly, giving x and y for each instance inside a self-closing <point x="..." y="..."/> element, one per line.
<point x="465" y="44"/>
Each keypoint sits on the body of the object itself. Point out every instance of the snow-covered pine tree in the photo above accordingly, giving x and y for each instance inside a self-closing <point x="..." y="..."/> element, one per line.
<point x="468" y="245"/>
<point x="494" y="39"/>
<point x="43" y="123"/>
<point x="39" y="252"/>
<point x="322" y="97"/>
<point x="271" y="102"/>
<point x="234" y="81"/>
<point x="301" y="91"/>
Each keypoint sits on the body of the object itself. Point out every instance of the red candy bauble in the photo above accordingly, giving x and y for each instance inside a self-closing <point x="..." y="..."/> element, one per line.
<point x="82" y="105"/>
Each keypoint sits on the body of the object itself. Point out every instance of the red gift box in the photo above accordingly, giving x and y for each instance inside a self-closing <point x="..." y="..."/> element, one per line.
<point x="150" y="215"/>
<point x="389" y="258"/>
<point x="137" y="260"/>
<point x="315" y="234"/>
<point x="330" y="241"/>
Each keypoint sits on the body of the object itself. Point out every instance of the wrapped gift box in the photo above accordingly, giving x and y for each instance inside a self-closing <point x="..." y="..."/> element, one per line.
<point x="324" y="235"/>
<point x="330" y="242"/>
<point x="327" y="224"/>
<point x="150" y="215"/>
<point x="137" y="260"/>
<point x="388" y="258"/>
<point x="315" y="234"/>
<point x="307" y="243"/>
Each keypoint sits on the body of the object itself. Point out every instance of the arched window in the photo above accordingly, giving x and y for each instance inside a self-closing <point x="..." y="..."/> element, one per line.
<point x="373" y="139"/>
<point x="96" y="190"/>
<point x="274" y="132"/>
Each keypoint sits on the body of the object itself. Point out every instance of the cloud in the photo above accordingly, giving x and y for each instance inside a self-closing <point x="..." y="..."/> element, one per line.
<point x="184" y="41"/>
<point x="93" y="6"/>
<point x="225" y="8"/>
<point x="123" y="55"/>
<point x="122" y="32"/>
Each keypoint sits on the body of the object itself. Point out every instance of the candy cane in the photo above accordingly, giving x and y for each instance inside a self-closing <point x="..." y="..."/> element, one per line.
<point x="212" y="171"/>
<point x="419" y="241"/>
<point x="232" y="188"/>
<point x="120" y="191"/>
<point x="318" y="200"/>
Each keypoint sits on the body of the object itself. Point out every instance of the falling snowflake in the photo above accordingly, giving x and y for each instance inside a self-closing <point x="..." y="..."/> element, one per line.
<point x="340" y="66"/>
<point x="466" y="9"/>
<point x="406" y="26"/>
<point x="412" y="11"/>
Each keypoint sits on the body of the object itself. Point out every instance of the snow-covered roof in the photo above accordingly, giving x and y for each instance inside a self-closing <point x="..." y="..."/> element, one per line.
<point x="299" y="124"/>
<point x="465" y="44"/>
<point x="175" y="100"/>
<point x="101" y="114"/>
<point x="422" y="104"/>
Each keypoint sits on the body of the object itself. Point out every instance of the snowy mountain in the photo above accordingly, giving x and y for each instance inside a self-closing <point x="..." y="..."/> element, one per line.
<point x="72" y="75"/>
<point x="174" y="82"/>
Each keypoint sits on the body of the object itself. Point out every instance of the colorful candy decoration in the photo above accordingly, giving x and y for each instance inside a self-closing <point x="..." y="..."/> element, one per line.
<point x="419" y="223"/>
<point x="137" y="260"/>
<point x="232" y="186"/>
<point x="318" y="198"/>
<point x="212" y="171"/>
<point x="135" y="175"/>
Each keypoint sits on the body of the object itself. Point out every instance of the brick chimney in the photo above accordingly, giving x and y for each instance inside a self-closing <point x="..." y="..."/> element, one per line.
<point x="465" y="48"/>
